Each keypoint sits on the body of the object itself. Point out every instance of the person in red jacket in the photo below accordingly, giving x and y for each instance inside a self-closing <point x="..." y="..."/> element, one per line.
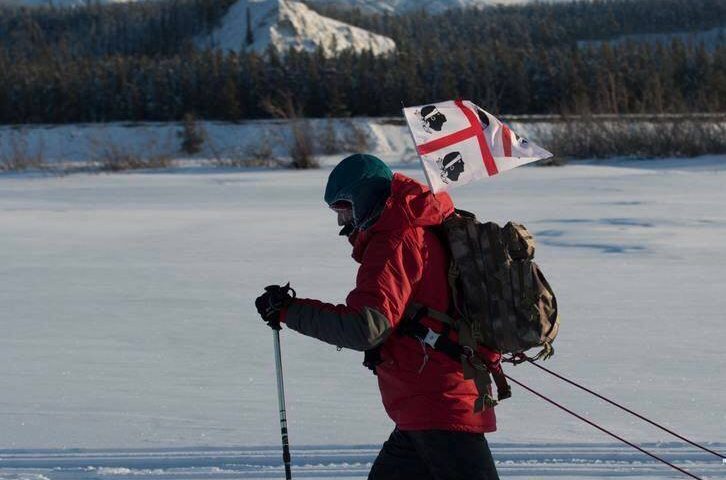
<point x="402" y="262"/>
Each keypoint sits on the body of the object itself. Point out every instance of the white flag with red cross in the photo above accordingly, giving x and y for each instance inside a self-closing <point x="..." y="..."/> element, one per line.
<point x="458" y="142"/>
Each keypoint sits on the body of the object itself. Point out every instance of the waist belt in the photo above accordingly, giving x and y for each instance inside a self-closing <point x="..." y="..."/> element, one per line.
<point x="474" y="367"/>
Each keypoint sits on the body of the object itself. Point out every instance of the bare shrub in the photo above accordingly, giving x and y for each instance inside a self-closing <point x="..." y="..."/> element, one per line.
<point x="356" y="138"/>
<point x="192" y="135"/>
<point x="603" y="138"/>
<point x="110" y="156"/>
<point x="396" y="121"/>
<point x="301" y="146"/>
<point x="302" y="150"/>
<point x="327" y="139"/>
<point x="555" y="161"/>
<point x="256" y="155"/>
<point x="19" y="155"/>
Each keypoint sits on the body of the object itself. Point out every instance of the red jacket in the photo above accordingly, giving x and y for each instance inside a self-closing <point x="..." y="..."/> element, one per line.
<point x="403" y="262"/>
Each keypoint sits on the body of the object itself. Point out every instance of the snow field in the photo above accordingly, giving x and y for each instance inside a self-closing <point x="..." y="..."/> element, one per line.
<point x="79" y="145"/>
<point x="590" y="461"/>
<point x="128" y="318"/>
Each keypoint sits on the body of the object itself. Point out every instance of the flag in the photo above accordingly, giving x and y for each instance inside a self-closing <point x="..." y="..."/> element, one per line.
<point x="458" y="142"/>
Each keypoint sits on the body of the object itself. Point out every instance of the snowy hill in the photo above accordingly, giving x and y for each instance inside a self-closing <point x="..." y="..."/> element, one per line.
<point x="288" y="24"/>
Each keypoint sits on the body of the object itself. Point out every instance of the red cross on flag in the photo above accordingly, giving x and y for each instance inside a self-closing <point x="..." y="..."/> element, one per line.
<point x="458" y="142"/>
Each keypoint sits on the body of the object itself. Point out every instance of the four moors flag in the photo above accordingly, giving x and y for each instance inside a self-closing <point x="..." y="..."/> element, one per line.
<point x="458" y="142"/>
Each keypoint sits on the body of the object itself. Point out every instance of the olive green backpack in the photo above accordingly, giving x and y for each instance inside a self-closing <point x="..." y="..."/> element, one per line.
<point x="501" y="300"/>
<point x="499" y="292"/>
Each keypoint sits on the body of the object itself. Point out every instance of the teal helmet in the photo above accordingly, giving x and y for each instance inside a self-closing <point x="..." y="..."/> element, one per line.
<point x="364" y="181"/>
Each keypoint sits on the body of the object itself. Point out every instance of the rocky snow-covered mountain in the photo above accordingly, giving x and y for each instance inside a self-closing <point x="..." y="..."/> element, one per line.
<point x="287" y="23"/>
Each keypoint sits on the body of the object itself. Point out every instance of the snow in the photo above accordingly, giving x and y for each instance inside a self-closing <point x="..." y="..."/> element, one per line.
<point x="128" y="323"/>
<point x="521" y="460"/>
<point x="80" y="144"/>
<point x="285" y="24"/>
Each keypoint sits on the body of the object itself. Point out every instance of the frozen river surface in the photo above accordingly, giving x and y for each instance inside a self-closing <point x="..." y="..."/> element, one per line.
<point x="128" y="325"/>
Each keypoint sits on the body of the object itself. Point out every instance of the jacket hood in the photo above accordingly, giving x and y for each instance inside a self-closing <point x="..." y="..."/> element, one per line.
<point x="411" y="204"/>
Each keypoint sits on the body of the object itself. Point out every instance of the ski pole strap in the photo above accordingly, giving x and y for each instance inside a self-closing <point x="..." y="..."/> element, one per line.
<point x="602" y="429"/>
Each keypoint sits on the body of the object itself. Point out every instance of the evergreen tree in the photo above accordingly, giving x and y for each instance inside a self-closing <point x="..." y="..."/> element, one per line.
<point x="136" y="61"/>
<point x="249" y="36"/>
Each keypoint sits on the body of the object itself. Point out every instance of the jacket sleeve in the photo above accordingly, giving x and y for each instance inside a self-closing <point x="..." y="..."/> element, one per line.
<point x="389" y="271"/>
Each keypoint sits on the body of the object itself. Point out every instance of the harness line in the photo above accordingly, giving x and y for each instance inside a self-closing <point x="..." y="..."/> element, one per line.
<point x="621" y="407"/>
<point x="602" y="429"/>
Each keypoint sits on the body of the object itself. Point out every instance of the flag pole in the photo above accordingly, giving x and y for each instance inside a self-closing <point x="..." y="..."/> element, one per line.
<point x="423" y="167"/>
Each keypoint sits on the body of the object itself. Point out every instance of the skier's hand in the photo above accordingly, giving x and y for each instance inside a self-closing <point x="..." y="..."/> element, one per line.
<point x="270" y="303"/>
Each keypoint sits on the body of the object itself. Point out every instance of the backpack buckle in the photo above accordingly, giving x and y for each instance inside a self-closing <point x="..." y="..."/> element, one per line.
<point x="431" y="338"/>
<point x="474" y="360"/>
<point x="468" y="351"/>
<point x="516" y="358"/>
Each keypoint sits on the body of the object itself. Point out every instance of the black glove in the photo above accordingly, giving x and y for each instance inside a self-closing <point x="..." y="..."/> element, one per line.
<point x="270" y="303"/>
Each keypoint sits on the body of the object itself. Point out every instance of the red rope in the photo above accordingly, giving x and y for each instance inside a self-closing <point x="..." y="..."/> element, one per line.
<point x="580" y="417"/>
<point x="611" y="402"/>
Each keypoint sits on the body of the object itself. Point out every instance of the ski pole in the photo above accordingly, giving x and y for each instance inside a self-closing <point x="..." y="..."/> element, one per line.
<point x="281" y="403"/>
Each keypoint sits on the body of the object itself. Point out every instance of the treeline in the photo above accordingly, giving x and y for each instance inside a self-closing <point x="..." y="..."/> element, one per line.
<point x="542" y="24"/>
<point x="511" y="60"/>
<point x="145" y="28"/>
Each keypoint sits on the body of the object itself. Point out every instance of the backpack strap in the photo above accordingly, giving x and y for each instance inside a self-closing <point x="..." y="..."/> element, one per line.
<point x="464" y="351"/>
<point x="413" y="327"/>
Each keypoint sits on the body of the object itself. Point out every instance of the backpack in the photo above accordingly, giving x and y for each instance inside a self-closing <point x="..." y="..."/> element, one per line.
<point x="500" y="294"/>
<point x="501" y="301"/>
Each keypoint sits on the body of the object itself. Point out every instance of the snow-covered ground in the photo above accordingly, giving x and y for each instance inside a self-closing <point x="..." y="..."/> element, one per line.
<point x="128" y="323"/>
<point x="252" y="142"/>
<point x="530" y="461"/>
<point x="80" y="144"/>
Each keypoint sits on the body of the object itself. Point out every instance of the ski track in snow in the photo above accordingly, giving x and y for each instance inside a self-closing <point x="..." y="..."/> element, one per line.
<point x="549" y="461"/>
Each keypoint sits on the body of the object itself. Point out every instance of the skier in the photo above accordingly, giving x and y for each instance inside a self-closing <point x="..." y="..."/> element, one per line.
<point x="438" y="435"/>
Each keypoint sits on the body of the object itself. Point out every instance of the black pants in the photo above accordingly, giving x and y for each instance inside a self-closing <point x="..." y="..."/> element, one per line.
<point x="434" y="455"/>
